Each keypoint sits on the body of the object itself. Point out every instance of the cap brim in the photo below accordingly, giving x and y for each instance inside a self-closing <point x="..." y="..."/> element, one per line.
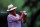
<point x="12" y="9"/>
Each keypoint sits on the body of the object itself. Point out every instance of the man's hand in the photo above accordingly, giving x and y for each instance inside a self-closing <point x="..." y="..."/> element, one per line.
<point x="21" y="12"/>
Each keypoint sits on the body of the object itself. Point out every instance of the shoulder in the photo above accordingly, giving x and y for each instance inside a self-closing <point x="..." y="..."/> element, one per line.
<point x="9" y="15"/>
<point x="18" y="14"/>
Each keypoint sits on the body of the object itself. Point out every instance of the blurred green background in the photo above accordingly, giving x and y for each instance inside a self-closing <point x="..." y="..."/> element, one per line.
<point x="19" y="3"/>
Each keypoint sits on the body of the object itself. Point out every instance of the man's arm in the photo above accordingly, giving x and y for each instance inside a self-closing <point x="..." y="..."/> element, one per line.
<point x="25" y="13"/>
<point x="21" y="15"/>
<point x="24" y="20"/>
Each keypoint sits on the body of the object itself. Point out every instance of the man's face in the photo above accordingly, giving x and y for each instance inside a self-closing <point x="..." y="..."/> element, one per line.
<point x="13" y="11"/>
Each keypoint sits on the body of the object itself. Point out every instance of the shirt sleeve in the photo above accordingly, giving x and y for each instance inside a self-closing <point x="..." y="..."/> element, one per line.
<point x="22" y="20"/>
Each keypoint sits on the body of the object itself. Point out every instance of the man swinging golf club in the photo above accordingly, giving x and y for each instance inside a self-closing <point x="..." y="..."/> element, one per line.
<point x="15" y="20"/>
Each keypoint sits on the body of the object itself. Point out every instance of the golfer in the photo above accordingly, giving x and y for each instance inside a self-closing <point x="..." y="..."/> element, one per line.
<point x="15" y="20"/>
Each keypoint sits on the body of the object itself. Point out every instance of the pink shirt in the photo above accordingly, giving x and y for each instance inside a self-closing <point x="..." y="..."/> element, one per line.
<point x="13" y="21"/>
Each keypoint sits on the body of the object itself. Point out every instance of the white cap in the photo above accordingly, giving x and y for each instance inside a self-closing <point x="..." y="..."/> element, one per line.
<point x="10" y="6"/>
